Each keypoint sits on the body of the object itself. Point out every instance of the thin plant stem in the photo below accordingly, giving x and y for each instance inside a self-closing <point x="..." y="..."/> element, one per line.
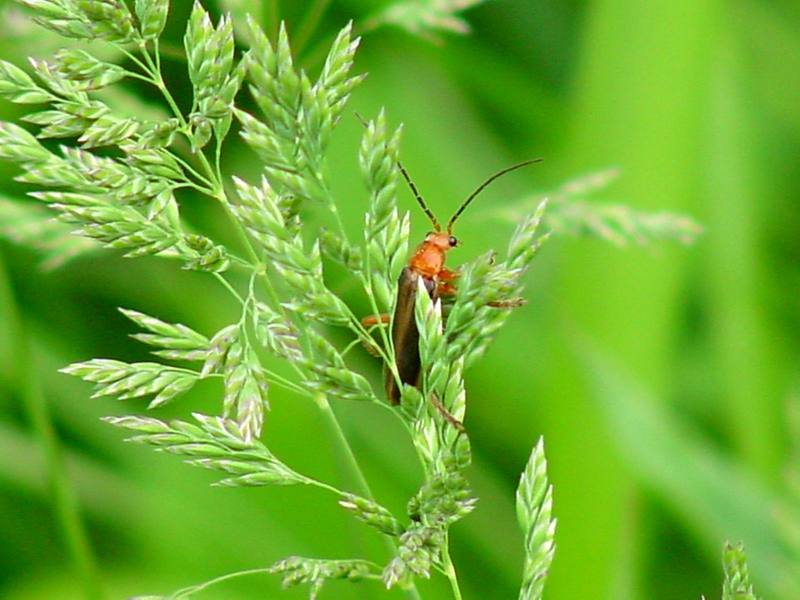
<point x="65" y="504"/>
<point x="449" y="569"/>
<point x="338" y="432"/>
<point x="186" y="592"/>
<point x="226" y="284"/>
<point x="360" y="480"/>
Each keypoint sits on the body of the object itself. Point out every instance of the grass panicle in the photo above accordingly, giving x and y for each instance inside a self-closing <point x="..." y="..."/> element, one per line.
<point x="116" y="181"/>
<point x="534" y="513"/>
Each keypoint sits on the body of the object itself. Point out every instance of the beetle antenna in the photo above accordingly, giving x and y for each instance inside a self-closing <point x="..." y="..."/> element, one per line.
<point x="484" y="185"/>
<point x="411" y="184"/>
<point x="419" y="198"/>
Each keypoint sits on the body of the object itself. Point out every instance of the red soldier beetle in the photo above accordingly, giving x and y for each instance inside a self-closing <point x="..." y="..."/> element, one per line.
<point x="427" y="263"/>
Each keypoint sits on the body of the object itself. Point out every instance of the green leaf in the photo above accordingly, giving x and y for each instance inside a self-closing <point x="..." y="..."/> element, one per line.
<point x="328" y="373"/>
<point x="197" y="41"/>
<point x="276" y="333"/>
<point x="443" y="499"/>
<point x="62" y="17"/>
<point x="432" y="342"/>
<point x="109" y="130"/>
<point x="711" y="494"/>
<point x="334" y="80"/>
<point x="488" y="290"/>
<point x="58" y="124"/>
<point x="386" y="231"/>
<point x="121" y="227"/>
<point x="275" y="83"/>
<point x="246" y="389"/>
<point x="373" y="514"/>
<point x="202" y="254"/>
<point x="109" y="19"/>
<point x="210" y="57"/>
<point x="417" y="552"/>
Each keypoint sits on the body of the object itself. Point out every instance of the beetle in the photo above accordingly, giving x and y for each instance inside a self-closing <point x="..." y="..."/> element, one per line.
<point x="427" y="264"/>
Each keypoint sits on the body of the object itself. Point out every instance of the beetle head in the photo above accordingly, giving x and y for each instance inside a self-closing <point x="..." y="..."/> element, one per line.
<point x="442" y="240"/>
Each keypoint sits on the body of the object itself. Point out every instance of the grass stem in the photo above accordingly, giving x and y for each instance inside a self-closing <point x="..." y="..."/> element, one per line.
<point x="360" y="480"/>
<point x="450" y="570"/>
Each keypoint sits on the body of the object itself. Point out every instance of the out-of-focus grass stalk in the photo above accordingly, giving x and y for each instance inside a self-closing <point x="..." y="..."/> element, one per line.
<point x="639" y="100"/>
<point x="309" y="25"/>
<point x="64" y="501"/>
<point x="450" y="571"/>
<point x="746" y="351"/>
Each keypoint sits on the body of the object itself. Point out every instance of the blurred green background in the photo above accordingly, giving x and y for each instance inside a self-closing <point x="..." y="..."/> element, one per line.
<point x="661" y="378"/>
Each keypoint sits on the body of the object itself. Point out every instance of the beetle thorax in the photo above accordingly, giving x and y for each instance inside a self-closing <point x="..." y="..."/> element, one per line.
<point x="428" y="259"/>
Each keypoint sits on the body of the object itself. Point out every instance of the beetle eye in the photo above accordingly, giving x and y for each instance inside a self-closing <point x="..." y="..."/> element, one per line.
<point x="453" y="242"/>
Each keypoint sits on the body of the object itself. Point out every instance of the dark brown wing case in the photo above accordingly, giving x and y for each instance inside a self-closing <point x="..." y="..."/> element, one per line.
<point x="405" y="335"/>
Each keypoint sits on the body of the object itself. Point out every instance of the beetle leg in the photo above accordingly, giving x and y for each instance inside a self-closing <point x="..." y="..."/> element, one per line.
<point x="510" y="303"/>
<point x="375" y="320"/>
<point x="445" y="288"/>
<point x="371" y="348"/>
<point x="446" y="414"/>
<point x="372" y="321"/>
<point x="448" y="275"/>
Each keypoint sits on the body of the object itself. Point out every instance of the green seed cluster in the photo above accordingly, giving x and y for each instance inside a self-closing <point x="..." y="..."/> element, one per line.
<point x="736" y="585"/>
<point x="534" y="512"/>
<point x="373" y="514"/>
<point x="214" y="443"/>
<point x="297" y="570"/>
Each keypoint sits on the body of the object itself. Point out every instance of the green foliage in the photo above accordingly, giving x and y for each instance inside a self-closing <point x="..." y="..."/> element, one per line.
<point x="117" y="182"/>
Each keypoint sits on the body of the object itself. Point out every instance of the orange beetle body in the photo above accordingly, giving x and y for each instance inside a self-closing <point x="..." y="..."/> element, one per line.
<point x="428" y="259"/>
<point x="427" y="263"/>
